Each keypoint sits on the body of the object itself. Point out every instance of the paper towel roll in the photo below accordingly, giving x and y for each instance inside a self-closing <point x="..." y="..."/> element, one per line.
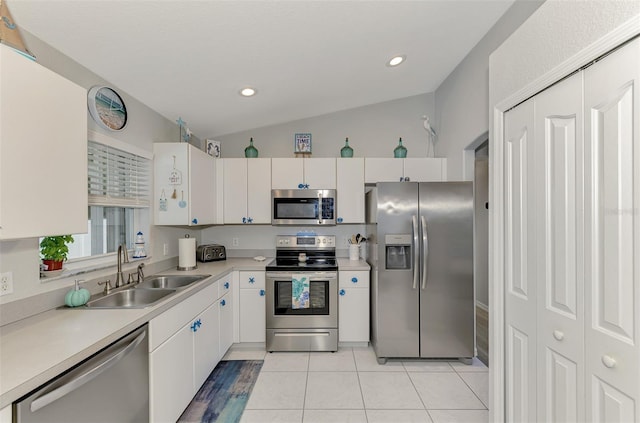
<point x="186" y="253"/>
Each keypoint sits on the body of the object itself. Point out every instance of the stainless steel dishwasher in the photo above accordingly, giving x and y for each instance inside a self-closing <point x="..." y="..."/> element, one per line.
<point x="110" y="386"/>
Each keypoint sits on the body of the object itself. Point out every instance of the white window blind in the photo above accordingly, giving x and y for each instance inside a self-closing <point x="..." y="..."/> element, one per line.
<point x="117" y="178"/>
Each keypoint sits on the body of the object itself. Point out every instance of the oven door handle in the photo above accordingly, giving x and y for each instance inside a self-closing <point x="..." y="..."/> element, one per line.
<point x="287" y="276"/>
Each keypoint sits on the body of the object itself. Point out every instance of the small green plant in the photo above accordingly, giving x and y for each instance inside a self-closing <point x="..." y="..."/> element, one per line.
<point x="55" y="247"/>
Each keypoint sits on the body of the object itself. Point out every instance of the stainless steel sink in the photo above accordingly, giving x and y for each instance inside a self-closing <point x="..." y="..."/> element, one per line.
<point x="170" y="281"/>
<point x="131" y="298"/>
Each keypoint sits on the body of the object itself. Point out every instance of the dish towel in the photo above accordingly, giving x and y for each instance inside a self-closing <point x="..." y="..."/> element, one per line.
<point x="299" y="291"/>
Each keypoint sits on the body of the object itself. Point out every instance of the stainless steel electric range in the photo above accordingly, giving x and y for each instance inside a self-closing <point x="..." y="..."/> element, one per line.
<point x="313" y="327"/>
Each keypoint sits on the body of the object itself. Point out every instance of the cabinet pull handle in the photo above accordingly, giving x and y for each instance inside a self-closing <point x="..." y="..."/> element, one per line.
<point x="354" y="279"/>
<point x="262" y="292"/>
<point x="226" y="285"/>
<point x="608" y="361"/>
<point x="342" y="292"/>
<point x="223" y="303"/>
<point x="558" y="335"/>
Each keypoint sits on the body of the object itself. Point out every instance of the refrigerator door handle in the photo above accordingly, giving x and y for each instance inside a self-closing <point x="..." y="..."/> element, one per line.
<point x="425" y="248"/>
<point x="416" y="253"/>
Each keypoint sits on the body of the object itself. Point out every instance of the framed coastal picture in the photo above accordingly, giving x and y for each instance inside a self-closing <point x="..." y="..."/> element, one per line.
<point x="302" y="143"/>
<point x="212" y="148"/>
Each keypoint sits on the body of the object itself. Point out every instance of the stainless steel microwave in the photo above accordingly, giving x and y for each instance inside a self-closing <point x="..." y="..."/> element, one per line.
<point x="303" y="207"/>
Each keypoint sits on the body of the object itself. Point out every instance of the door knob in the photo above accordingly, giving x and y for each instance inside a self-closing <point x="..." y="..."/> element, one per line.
<point x="558" y="335"/>
<point x="608" y="361"/>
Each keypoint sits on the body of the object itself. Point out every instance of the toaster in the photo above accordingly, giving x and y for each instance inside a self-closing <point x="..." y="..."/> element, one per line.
<point x="210" y="252"/>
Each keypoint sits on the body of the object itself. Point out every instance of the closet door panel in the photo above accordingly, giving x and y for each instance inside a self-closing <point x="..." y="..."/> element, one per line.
<point x="612" y="242"/>
<point x="520" y="294"/>
<point x="559" y="255"/>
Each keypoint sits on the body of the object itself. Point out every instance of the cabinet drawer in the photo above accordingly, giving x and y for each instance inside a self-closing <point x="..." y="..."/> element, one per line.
<point x="225" y="284"/>
<point x="252" y="279"/>
<point x="353" y="279"/>
<point x="165" y="325"/>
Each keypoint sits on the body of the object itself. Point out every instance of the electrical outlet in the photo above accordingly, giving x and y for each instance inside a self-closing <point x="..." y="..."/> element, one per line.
<point x="6" y="283"/>
<point x="166" y="249"/>
<point x="236" y="242"/>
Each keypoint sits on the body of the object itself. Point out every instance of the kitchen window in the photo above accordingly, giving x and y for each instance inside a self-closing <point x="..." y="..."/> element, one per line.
<point x="118" y="181"/>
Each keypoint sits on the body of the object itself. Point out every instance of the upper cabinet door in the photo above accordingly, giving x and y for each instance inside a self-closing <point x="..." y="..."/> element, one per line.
<point x="382" y="170"/>
<point x="427" y="169"/>
<point x="286" y="173"/>
<point x="235" y="190"/>
<point x="320" y="173"/>
<point x="43" y="150"/>
<point x="350" y="180"/>
<point x="259" y="190"/>
<point x="202" y="187"/>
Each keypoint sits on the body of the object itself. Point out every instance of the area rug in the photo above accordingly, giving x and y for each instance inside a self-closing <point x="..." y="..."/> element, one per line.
<point x="224" y="394"/>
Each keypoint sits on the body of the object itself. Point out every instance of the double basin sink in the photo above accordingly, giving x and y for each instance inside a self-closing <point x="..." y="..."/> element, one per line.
<point x="145" y="293"/>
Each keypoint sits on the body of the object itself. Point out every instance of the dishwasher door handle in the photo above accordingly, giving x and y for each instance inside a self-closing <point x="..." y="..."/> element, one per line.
<point x="99" y="368"/>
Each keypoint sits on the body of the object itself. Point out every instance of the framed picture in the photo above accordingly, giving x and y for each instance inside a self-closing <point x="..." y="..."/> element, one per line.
<point x="213" y="148"/>
<point x="302" y="143"/>
<point x="107" y="108"/>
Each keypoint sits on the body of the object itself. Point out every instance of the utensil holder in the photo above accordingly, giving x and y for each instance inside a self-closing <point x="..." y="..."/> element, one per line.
<point x="354" y="252"/>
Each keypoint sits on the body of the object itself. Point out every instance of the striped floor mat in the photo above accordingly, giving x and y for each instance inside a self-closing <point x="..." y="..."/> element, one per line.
<point x="224" y="394"/>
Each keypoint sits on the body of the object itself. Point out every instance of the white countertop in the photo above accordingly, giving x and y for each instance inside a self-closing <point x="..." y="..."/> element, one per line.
<point x="37" y="349"/>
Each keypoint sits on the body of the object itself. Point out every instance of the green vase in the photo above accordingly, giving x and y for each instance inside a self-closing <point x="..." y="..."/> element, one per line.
<point x="400" y="151"/>
<point x="251" y="151"/>
<point x="346" y="151"/>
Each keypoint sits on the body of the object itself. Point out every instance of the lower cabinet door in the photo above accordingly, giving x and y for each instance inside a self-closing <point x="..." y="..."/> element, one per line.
<point x="252" y="315"/>
<point x="226" y="322"/>
<point x="353" y="315"/>
<point x="206" y="339"/>
<point x="171" y="377"/>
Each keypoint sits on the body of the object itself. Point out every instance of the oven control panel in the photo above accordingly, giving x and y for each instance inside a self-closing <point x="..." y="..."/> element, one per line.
<point x="305" y="241"/>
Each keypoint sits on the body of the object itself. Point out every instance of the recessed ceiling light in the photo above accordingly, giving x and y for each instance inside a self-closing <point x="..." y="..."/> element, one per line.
<point x="248" y="92"/>
<point x="396" y="60"/>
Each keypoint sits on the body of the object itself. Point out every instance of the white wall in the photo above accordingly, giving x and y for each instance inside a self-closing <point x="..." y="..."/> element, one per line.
<point x="373" y="131"/>
<point x="145" y="126"/>
<point x="462" y="113"/>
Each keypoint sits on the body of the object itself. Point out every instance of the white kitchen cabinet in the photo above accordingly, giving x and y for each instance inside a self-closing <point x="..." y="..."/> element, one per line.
<point x="291" y="173"/>
<point x="226" y="322"/>
<point x="247" y="190"/>
<point x="6" y="414"/>
<point x="43" y="150"/>
<point x="171" y="377"/>
<point x="353" y="306"/>
<point x="252" y="306"/>
<point x="184" y="185"/>
<point x="350" y="180"/>
<point x="206" y="340"/>
<point x="186" y="342"/>
<point x="427" y="169"/>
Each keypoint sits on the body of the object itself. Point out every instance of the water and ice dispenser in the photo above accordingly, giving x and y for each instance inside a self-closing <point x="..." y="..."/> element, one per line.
<point x="398" y="251"/>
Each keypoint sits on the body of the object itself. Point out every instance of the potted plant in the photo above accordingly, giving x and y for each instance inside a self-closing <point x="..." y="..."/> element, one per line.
<point x="54" y="250"/>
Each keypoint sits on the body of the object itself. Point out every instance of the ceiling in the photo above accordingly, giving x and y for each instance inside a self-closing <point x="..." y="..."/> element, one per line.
<point x="190" y="58"/>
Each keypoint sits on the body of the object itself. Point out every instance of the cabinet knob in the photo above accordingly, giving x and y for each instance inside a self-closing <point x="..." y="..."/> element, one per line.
<point x="223" y="303"/>
<point x="342" y="292"/>
<point x="339" y="220"/>
<point x="608" y="361"/>
<point x="252" y="279"/>
<point x="558" y="335"/>
<point x="226" y="285"/>
<point x="354" y="279"/>
<point x="249" y="219"/>
<point x="244" y="220"/>
<point x="194" y="221"/>
<point x="262" y="292"/>
<point x="303" y="186"/>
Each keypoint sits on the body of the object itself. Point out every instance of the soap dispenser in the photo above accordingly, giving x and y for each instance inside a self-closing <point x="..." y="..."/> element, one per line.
<point x="139" y="250"/>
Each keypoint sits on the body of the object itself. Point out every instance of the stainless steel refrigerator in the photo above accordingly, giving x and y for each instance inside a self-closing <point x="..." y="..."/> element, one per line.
<point x="420" y="247"/>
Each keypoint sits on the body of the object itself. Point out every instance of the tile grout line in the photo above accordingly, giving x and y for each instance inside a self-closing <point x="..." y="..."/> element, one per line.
<point x="474" y="392"/>
<point x="364" y="404"/>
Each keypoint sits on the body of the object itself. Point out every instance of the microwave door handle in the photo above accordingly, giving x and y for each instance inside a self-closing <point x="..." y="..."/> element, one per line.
<point x="425" y="249"/>
<point x="416" y="253"/>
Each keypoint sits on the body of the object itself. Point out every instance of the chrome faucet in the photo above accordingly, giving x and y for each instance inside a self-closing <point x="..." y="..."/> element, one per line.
<point x="140" y="272"/>
<point x="122" y="252"/>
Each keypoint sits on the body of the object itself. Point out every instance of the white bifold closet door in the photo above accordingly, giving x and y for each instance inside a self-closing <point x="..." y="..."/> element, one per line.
<point x="572" y="242"/>
<point x="612" y="241"/>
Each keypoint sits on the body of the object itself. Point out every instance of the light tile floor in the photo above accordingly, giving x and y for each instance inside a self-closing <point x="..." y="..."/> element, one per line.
<point x="350" y="386"/>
